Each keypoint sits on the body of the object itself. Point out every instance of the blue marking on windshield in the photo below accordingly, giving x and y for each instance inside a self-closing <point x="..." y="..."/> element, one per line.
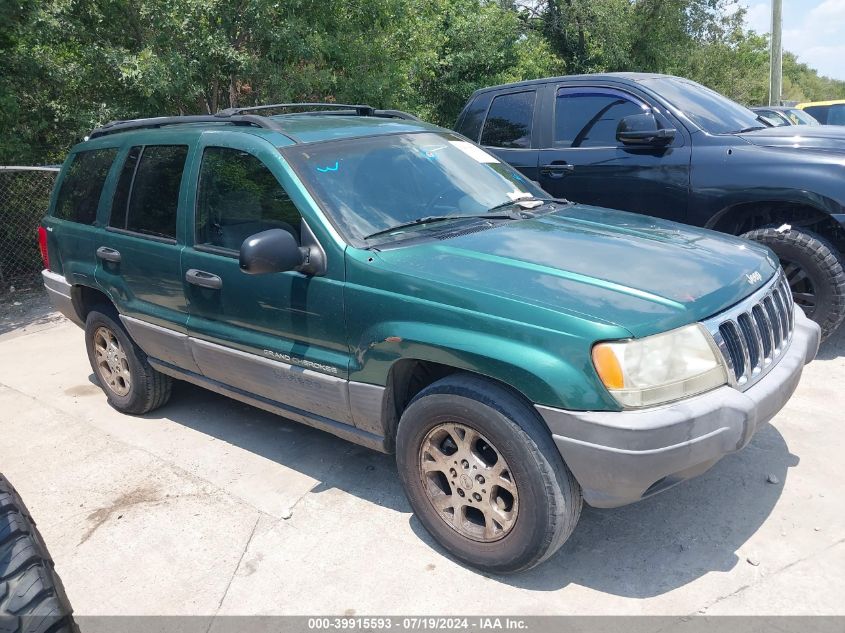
<point x="327" y="169"/>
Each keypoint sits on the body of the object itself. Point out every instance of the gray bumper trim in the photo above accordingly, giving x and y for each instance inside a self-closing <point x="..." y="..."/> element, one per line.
<point x="621" y="457"/>
<point x="59" y="291"/>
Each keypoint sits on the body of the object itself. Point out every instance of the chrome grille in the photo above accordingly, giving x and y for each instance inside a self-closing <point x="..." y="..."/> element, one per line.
<point x="753" y="334"/>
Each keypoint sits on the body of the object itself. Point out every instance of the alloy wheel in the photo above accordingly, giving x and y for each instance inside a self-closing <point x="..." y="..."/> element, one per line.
<point x="112" y="364"/>
<point x="468" y="482"/>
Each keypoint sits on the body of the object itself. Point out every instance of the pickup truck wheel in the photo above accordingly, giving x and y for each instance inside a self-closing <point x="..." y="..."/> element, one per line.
<point x="483" y="475"/>
<point x="121" y="367"/>
<point x="32" y="597"/>
<point x="814" y="271"/>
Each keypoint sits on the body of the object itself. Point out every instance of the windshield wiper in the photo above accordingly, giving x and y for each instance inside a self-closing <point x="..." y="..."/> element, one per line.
<point x="426" y="220"/>
<point x="753" y="128"/>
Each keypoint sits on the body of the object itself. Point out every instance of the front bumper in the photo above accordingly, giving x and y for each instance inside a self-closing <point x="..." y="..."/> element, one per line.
<point x="622" y="457"/>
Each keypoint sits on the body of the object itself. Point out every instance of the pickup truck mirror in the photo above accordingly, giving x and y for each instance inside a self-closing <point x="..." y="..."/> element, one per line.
<point x="642" y="129"/>
<point x="271" y="251"/>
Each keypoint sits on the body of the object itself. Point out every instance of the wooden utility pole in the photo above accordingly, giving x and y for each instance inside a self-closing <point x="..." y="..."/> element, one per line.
<point x="776" y="55"/>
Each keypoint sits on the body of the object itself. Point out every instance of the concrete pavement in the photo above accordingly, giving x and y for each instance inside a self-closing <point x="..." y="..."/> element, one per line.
<point x="208" y="506"/>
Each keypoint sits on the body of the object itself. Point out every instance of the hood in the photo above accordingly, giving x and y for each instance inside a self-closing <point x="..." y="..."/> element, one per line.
<point x="640" y="273"/>
<point x="823" y="137"/>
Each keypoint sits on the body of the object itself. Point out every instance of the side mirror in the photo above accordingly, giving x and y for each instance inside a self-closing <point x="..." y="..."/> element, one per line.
<point x="642" y="129"/>
<point x="272" y="251"/>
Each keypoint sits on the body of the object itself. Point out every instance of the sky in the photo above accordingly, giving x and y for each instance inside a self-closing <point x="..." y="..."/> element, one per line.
<point x="812" y="29"/>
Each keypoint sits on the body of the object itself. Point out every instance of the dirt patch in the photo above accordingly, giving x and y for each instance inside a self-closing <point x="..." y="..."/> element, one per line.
<point x="24" y="311"/>
<point x="82" y="390"/>
<point x="118" y="507"/>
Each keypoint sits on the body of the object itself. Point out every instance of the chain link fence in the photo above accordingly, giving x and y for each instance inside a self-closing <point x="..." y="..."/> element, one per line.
<point x="24" y="198"/>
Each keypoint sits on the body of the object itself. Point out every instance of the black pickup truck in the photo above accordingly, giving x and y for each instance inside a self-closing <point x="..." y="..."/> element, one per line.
<point x="671" y="148"/>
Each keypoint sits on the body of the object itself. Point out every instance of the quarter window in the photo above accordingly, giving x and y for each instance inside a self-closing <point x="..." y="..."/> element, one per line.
<point x="82" y="184"/>
<point x="508" y="121"/>
<point x="147" y="195"/>
<point x="238" y="197"/>
<point x="588" y="118"/>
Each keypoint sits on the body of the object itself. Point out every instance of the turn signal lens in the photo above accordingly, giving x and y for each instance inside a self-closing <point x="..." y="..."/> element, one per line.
<point x="608" y="367"/>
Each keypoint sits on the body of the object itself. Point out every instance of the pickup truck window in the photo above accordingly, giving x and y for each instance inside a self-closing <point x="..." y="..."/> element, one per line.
<point x="83" y="182"/>
<point x="150" y="180"/>
<point x="238" y="197"/>
<point x="508" y="121"/>
<point x="366" y="185"/>
<point x="587" y="117"/>
<point x="829" y="114"/>
<point x="709" y="110"/>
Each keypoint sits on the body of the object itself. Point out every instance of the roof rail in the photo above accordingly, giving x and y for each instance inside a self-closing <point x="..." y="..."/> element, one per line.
<point x="240" y="116"/>
<point x="139" y="124"/>
<point x="338" y="109"/>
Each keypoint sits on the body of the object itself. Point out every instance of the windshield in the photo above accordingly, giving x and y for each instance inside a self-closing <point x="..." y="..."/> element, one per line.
<point x="368" y="185"/>
<point x="799" y="117"/>
<point x="706" y="108"/>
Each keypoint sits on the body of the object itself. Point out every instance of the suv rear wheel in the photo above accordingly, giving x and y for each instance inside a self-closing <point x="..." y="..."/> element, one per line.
<point x="483" y="475"/>
<point x="121" y="367"/>
<point x="813" y="268"/>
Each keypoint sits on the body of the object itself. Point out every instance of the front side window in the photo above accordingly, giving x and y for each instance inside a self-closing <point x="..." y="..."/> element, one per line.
<point x="588" y="117"/>
<point x="372" y="184"/>
<point x="508" y="121"/>
<point x="82" y="184"/>
<point x="147" y="195"/>
<point x="237" y="197"/>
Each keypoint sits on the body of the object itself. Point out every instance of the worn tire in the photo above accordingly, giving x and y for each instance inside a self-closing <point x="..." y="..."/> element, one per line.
<point x="32" y="598"/>
<point x="149" y="389"/>
<point x="549" y="497"/>
<point x="822" y="264"/>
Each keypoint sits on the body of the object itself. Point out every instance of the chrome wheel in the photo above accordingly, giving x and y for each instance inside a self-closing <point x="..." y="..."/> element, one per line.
<point x="112" y="364"/>
<point x="468" y="482"/>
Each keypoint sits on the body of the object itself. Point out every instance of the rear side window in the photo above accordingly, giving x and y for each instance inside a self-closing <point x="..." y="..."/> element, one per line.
<point x="237" y="197"/>
<point x="82" y="184"/>
<point x="147" y="194"/>
<point x="473" y="116"/>
<point x="589" y="117"/>
<point x="508" y="122"/>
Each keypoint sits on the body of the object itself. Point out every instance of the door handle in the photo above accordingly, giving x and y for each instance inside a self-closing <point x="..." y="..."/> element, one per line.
<point x="203" y="279"/>
<point x="108" y="254"/>
<point x="556" y="169"/>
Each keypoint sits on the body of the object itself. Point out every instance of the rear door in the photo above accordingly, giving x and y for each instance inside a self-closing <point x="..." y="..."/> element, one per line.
<point x="581" y="159"/>
<point x="140" y="251"/>
<point x="280" y="336"/>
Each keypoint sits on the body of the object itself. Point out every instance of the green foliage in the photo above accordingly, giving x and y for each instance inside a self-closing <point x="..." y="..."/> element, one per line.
<point x="69" y="65"/>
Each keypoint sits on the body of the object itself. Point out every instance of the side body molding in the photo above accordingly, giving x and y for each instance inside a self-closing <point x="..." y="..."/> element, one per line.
<point x="352" y="410"/>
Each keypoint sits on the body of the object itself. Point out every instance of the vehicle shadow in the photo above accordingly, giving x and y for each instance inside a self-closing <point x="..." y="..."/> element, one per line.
<point x="641" y="550"/>
<point x="667" y="541"/>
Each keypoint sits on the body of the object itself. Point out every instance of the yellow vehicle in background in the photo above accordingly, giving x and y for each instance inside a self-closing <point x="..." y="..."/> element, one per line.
<point x="826" y="112"/>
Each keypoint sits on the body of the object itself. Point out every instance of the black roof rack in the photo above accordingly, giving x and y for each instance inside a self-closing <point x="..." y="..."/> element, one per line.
<point x="240" y="116"/>
<point x="138" y="124"/>
<point x="338" y="109"/>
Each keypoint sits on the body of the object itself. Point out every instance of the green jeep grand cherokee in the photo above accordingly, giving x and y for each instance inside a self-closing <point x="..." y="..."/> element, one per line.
<point x="392" y="283"/>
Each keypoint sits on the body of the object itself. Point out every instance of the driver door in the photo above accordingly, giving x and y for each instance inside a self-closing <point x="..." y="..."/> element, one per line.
<point x="280" y="336"/>
<point x="580" y="158"/>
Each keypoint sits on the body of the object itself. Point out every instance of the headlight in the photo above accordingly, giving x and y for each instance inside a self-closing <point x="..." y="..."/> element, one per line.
<point x="660" y="368"/>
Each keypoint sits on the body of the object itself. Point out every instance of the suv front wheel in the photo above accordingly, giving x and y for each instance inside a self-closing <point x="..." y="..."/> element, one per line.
<point x="483" y="475"/>
<point x="814" y="271"/>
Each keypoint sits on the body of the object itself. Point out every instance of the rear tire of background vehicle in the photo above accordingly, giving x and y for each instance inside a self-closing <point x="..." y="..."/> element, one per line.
<point x="32" y="598"/>
<point x="121" y="367"/>
<point x="814" y="271"/>
<point x="483" y="475"/>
